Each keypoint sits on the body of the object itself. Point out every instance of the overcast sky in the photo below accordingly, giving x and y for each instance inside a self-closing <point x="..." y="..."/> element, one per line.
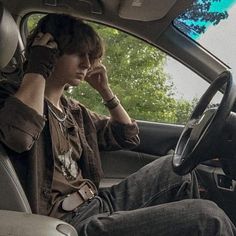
<point x="223" y="46"/>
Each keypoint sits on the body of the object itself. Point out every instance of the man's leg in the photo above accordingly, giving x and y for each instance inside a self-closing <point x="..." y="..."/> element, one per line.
<point x="187" y="217"/>
<point x="154" y="184"/>
<point x="146" y="203"/>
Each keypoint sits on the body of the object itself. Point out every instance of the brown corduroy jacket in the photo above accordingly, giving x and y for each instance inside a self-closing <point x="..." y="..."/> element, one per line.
<point x="26" y="136"/>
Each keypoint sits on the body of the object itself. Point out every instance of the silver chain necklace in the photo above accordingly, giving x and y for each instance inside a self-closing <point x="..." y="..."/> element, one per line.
<point x="56" y="116"/>
<point x="69" y="167"/>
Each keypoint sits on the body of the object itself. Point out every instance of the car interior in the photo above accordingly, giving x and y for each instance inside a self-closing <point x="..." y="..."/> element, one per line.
<point x="193" y="146"/>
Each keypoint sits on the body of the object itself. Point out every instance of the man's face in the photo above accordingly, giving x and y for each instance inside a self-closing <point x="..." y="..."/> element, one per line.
<point x="71" y="69"/>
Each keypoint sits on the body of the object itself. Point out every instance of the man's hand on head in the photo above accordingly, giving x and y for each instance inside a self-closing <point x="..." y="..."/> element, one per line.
<point x="97" y="78"/>
<point x="42" y="55"/>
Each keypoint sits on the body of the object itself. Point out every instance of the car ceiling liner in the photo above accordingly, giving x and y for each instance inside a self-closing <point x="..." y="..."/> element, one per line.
<point x="94" y="5"/>
<point x="145" y="10"/>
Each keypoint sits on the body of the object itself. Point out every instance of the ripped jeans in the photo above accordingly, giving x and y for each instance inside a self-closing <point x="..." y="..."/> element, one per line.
<point x="152" y="201"/>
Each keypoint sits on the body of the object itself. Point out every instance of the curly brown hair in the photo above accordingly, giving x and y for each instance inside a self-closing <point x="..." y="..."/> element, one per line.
<point x="72" y="35"/>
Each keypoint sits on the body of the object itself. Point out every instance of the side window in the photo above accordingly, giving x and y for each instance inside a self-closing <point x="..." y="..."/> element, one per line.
<point x="151" y="85"/>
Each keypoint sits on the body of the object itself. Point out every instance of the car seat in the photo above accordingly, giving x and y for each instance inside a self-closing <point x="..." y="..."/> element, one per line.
<point x="12" y="196"/>
<point x="9" y="37"/>
<point x="16" y="218"/>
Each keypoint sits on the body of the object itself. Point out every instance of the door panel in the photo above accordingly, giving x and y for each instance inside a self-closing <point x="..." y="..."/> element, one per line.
<point x="156" y="140"/>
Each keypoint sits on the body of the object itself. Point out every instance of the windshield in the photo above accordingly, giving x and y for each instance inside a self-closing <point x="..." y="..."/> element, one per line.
<point x="212" y="24"/>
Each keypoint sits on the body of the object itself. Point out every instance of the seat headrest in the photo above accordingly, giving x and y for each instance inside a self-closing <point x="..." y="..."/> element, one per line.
<point x="8" y="36"/>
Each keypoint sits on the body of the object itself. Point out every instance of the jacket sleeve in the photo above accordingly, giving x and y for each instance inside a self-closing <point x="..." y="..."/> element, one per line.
<point x="114" y="135"/>
<point x="20" y="125"/>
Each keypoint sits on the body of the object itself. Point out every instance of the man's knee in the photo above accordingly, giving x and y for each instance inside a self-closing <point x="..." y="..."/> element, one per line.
<point x="179" y="187"/>
<point x="211" y="219"/>
<point x="207" y="209"/>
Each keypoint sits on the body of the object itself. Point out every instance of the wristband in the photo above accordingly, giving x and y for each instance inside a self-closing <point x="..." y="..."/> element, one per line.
<point x="41" y="60"/>
<point x="112" y="103"/>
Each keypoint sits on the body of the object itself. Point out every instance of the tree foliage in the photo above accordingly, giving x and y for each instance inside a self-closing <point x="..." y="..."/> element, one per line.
<point x="199" y="15"/>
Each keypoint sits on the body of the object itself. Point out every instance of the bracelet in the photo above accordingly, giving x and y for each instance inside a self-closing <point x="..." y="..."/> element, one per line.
<point x="112" y="103"/>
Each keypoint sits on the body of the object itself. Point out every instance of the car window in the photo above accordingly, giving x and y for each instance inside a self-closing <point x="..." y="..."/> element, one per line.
<point x="151" y="85"/>
<point x="210" y="23"/>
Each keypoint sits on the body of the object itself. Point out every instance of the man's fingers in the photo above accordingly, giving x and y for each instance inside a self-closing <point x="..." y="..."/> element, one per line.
<point x="52" y="44"/>
<point x="39" y="36"/>
<point x="97" y="70"/>
<point x="44" y="40"/>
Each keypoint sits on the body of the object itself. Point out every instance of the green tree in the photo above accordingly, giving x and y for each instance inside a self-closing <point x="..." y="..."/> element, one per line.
<point x="200" y="15"/>
<point x="33" y="20"/>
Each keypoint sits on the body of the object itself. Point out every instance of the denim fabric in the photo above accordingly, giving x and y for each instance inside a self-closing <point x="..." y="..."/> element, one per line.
<point x="152" y="201"/>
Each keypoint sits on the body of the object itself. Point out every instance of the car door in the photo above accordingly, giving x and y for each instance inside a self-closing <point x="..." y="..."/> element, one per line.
<point x="156" y="140"/>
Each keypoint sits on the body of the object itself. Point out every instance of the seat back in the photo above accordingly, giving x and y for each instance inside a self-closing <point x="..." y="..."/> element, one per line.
<point x="8" y="36"/>
<point x="12" y="196"/>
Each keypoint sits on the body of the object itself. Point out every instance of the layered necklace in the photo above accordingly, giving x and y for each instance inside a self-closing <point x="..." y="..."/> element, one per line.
<point x="61" y="120"/>
<point x="68" y="166"/>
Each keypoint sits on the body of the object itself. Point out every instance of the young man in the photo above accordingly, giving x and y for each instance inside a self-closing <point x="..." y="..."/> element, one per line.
<point x="54" y="143"/>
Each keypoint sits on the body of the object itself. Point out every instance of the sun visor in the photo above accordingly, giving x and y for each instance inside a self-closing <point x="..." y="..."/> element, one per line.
<point x="145" y="10"/>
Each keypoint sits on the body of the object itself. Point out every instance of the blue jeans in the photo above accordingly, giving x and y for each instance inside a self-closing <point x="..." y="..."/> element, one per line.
<point x="152" y="201"/>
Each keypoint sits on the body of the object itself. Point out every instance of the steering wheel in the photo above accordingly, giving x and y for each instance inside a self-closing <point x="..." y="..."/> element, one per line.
<point x="198" y="139"/>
